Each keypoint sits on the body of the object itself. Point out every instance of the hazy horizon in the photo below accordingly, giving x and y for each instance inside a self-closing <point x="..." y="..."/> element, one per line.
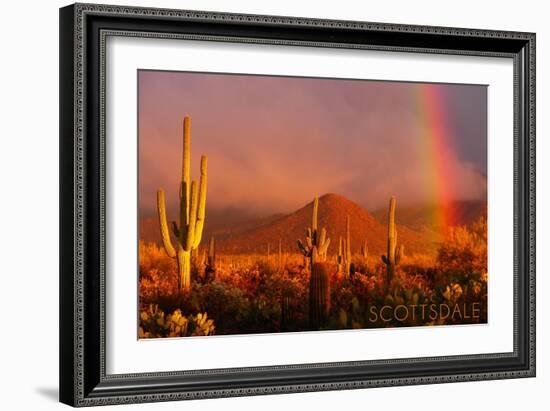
<point x="243" y="214"/>
<point x="275" y="142"/>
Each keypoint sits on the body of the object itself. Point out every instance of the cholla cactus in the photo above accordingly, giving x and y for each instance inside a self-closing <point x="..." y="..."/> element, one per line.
<point x="316" y="241"/>
<point x="392" y="258"/>
<point x="203" y="325"/>
<point x="192" y="211"/>
<point x="154" y="323"/>
<point x="319" y="296"/>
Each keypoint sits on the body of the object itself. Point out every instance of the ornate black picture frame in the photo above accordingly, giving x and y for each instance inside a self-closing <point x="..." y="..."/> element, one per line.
<point x="83" y="30"/>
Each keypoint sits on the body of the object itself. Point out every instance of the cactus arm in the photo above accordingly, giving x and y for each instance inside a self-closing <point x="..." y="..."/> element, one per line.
<point x="324" y="247"/>
<point x="399" y="253"/>
<point x="186" y="166"/>
<point x="185" y="183"/>
<point x="192" y="217"/>
<point x="314" y="215"/>
<point x="309" y="239"/>
<point x="164" y="231"/>
<point x="201" y="212"/>
<point x="322" y="238"/>
<point x="303" y="248"/>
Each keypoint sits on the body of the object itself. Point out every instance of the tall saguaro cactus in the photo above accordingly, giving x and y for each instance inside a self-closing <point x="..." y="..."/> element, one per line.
<point x="210" y="266"/>
<point x="316" y="241"/>
<point x="365" y="251"/>
<point x="343" y="258"/>
<point x="192" y="212"/>
<point x="319" y="296"/>
<point x="391" y="259"/>
<point x="286" y="310"/>
<point x="340" y="256"/>
<point x="347" y="248"/>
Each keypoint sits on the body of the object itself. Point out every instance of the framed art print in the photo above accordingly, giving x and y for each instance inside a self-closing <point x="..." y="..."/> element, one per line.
<point x="337" y="204"/>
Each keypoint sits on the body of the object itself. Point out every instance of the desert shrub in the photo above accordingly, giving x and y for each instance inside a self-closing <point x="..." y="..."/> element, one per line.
<point x="151" y="256"/>
<point x="464" y="251"/>
<point x="155" y="285"/>
<point x="157" y="274"/>
<point x="225" y="303"/>
<point x="247" y="293"/>
<point x="155" y="324"/>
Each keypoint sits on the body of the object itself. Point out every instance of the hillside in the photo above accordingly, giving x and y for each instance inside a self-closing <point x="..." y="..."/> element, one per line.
<point x="253" y="236"/>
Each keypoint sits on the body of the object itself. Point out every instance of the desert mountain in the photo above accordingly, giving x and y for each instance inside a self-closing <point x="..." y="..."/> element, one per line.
<point x="254" y="236"/>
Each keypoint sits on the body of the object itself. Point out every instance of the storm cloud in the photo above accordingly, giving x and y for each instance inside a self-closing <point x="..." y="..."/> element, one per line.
<point x="274" y="142"/>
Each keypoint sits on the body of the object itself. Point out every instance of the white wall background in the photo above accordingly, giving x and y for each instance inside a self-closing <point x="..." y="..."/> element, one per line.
<point x="29" y="205"/>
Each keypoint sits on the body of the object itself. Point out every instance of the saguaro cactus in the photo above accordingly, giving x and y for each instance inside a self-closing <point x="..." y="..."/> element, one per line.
<point x="391" y="259"/>
<point x="319" y="296"/>
<point x="210" y="267"/>
<point x="192" y="212"/>
<point x="343" y="258"/>
<point x="399" y="253"/>
<point x="365" y="251"/>
<point x="316" y="241"/>
<point x="286" y="311"/>
<point x="347" y="248"/>
<point x="340" y="256"/>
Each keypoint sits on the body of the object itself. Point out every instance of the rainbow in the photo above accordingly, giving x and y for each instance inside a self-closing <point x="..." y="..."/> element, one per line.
<point x="434" y="132"/>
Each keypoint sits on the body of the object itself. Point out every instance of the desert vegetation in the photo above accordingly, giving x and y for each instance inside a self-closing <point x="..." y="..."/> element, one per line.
<point x="188" y="287"/>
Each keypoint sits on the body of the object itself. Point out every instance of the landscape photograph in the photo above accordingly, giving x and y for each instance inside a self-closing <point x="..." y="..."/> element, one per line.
<point x="272" y="204"/>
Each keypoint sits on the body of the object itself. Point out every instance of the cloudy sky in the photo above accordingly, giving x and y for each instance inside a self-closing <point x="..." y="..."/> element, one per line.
<point x="275" y="142"/>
